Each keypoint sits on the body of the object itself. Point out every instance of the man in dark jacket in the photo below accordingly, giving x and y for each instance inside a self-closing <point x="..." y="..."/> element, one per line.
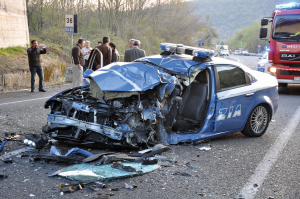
<point x="35" y="66"/>
<point x="106" y="53"/>
<point x="78" y="63"/>
<point x="134" y="53"/>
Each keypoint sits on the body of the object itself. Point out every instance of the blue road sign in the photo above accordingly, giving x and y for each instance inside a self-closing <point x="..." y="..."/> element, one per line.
<point x="201" y="42"/>
<point x="69" y="29"/>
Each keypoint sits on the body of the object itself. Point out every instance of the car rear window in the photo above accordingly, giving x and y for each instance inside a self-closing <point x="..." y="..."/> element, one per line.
<point x="230" y="76"/>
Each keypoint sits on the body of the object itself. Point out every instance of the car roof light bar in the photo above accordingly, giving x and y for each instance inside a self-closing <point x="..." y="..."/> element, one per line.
<point x="288" y="6"/>
<point x="188" y="50"/>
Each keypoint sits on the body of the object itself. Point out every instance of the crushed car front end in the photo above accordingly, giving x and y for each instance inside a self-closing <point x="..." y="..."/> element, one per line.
<point x="126" y="104"/>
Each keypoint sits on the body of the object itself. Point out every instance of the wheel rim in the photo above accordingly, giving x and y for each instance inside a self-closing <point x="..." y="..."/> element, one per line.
<point x="259" y="119"/>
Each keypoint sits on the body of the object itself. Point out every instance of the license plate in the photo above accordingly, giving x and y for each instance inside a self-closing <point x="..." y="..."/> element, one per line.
<point x="296" y="78"/>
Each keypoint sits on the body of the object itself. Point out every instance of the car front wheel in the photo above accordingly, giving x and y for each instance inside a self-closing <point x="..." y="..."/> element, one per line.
<point x="257" y="122"/>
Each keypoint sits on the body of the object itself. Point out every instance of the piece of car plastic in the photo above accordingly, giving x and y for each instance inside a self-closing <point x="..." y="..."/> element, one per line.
<point x="55" y="151"/>
<point x="2" y="145"/>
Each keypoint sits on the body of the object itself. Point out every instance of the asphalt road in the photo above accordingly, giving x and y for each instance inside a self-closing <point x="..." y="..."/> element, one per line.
<point x="236" y="166"/>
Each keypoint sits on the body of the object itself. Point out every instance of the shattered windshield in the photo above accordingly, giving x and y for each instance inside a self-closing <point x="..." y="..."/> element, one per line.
<point x="287" y="27"/>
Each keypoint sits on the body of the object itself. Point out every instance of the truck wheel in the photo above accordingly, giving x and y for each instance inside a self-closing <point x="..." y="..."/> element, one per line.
<point x="257" y="122"/>
<point x="282" y="84"/>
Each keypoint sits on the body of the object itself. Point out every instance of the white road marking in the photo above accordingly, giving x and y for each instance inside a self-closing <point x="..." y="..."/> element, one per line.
<point x="24" y="101"/>
<point x="16" y="152"/>
<point x="264" y="167"/>
<point x="236" y="59"/>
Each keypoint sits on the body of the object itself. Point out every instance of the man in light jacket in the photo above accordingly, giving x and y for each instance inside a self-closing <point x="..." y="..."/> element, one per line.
<point x="134" y="53"/>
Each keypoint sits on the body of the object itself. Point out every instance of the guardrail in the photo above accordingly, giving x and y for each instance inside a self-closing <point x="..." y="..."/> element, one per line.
<point x="251" y="54"/>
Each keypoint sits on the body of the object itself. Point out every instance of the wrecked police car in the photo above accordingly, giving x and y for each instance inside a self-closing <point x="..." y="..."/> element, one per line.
<point x="182" y="95"/>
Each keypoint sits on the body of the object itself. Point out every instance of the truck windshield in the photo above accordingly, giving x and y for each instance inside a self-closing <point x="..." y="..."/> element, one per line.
<point x="286" y="27"/>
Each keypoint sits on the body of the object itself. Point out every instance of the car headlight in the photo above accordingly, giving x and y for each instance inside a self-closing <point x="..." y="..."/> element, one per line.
<point x="273" y="70"/>
<point x="262" y="65"/>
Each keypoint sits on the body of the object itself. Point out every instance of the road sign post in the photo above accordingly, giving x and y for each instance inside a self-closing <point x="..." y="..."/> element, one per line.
<point x="71" y="27"/>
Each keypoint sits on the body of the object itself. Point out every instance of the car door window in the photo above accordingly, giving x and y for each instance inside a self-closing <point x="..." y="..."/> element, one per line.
<point x="230" y="77"/>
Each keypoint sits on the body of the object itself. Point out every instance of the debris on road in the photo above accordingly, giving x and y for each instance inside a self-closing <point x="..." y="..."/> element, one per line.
<point x="181" y="173"/>
<point x="8" y="160"/>
<point x="105" y="158"/>
<point x="97" y="186"/>
<point x="127" y="186"/>
<point x="36" y="141"/>
<point x="149" y="162"/>
<point x="31" y="195"/>
<point x="3" y="177"/>
<point x="63" y="159"/>
<point x="87" y="173"/>
<point x="70" y="188"/>
<point x="120" y="166"/>
<point x="205" y="148"/>
<point x="2" y="146"/>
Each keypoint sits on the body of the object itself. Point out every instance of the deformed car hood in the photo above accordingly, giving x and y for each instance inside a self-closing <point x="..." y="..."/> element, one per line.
<point x="143" y="74"/>
<point x="133" y="76"/>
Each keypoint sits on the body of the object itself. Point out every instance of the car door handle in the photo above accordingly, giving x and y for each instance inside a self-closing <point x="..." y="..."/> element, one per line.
<point x="249" y="94"/>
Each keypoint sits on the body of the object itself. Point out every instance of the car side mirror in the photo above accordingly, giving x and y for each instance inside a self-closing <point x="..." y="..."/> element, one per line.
<point x="87" y="73"/>
<point x="263" y="33"/>
<point x="264" y="22"/>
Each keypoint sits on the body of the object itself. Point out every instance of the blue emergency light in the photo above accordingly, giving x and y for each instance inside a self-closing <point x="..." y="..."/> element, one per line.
<point x="288" y="6"/>
<point x="188" y="50"/>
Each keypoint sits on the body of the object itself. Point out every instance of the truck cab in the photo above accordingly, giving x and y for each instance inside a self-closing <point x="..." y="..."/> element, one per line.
<point x="284" y="54"/>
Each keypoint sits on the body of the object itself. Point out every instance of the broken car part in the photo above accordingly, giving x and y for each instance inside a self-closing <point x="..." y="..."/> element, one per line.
<point x="8" y="160"/>
<point x="106" y="158"/>
<point x="120" y="166"/>
<point x="87" y="173"/>
<point x="55" y="151"/>
<point x="3" y="177"/>
<point x="36" y="141"/>
<point x="70" y="188"/>
<point x="64" y="159"/>
<point x="2" y="145"/>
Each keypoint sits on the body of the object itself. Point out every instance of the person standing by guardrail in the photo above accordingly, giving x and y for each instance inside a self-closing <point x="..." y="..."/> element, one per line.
<point x="35" y="66"/>
<point x="78" y="63"/>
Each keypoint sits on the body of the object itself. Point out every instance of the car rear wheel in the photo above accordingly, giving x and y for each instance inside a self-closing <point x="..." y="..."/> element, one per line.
<point x="257" y="122"/>
<point x="282" y="84"/>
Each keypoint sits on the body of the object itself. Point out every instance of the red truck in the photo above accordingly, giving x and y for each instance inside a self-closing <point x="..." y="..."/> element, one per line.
<point x="284" y="54"/>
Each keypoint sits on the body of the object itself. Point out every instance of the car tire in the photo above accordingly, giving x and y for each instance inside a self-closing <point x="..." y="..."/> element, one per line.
<point x="257" y="122"/>
<point x="282" y="84"/>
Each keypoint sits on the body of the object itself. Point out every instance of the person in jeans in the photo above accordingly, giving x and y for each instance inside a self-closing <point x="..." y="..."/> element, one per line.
<point x="78" y="63"/>
<point x="35" y="66"/>
<point x="86" y="52"/>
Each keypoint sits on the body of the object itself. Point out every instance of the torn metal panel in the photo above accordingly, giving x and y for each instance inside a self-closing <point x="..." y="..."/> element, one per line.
<point x="104" y="130"/>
